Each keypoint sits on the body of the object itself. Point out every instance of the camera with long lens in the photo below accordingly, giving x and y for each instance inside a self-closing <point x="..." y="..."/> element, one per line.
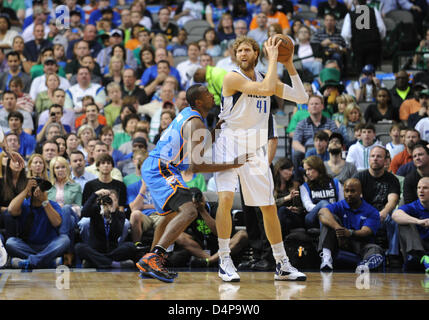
<point x="103" y="200"/>
<point x="43" y="184"/>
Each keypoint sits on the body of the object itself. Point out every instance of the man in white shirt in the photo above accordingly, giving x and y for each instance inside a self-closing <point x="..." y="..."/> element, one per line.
<point x="79" y="174"/>
<point x="188" y="67"/>
<point x="228" y="63"/>
<point x="83" y="88"/>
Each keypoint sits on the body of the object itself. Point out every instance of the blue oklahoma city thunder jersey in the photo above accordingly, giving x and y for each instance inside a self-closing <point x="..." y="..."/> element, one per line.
<point x="171" y="143"/>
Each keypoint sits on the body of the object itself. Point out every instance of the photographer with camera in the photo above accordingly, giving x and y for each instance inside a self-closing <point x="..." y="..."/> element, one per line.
<point x="39" y="243"/>
<point x="55" y="115"/>
<point x="106" y="227"/>
<point x="200" y="239"/>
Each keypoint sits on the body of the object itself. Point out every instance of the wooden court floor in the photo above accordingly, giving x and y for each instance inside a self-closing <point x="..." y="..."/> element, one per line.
<point x="90" y="284"/>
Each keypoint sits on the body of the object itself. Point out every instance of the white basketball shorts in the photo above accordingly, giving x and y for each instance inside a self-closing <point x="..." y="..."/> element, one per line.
<point x="254" y="176"/>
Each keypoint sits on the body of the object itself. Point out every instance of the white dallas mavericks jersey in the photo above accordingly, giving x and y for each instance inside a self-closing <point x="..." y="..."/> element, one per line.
<point x="246" y="119"/>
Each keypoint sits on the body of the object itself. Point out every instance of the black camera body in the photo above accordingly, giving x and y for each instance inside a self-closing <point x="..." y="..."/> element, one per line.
<point x="103" y="200"/>
<point x="43" y="184"/>
<point x="197" y="195"/>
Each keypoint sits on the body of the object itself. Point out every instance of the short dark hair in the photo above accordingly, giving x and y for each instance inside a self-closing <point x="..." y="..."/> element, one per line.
<point x="193" y="93"/>
<point x="321" y="135"/>
<point x="50" y="141"/>
<point x="421" y="145"/>
<point x="77" y="152"/>
<point x="105" y="157"/>
<point x="9" y="92"/>
<point x="13" y="53"/>
<point x="128" y="118"/>
<point x="16" y="114"/>
<point x="368" y="126"/>
<point x="164" y="61"/>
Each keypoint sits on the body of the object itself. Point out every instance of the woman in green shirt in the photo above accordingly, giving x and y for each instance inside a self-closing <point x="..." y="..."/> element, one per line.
<point x="129" y="124"/>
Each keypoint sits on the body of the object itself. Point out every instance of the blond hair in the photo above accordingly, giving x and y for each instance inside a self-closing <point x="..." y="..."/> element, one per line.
<point x="45" y="166"/>
<point x="247" y="40"/>
<point x="345" y="98"/>
<point x="62" y="161"/>
<point x="349" y="108"/>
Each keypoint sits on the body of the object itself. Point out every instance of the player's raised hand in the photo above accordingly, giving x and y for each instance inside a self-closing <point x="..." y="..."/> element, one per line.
<point x="271" y="47"/>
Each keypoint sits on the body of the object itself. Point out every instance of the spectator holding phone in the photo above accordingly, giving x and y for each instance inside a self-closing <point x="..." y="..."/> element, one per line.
<point x="366" y="87"/>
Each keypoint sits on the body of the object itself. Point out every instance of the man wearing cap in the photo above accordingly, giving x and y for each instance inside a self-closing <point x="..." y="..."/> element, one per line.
<point x="414" y="105"/>
<point x="366" y="87"/>
<point x="331" y="87"/>
<point x="116" y="37"/>
<point x="38" y="85"/>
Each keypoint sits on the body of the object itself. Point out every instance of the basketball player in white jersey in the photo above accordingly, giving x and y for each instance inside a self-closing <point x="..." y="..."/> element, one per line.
<point x="245" y="109"/>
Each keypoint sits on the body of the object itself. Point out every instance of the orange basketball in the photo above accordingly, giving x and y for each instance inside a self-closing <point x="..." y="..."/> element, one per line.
<point x="285" y="48"/>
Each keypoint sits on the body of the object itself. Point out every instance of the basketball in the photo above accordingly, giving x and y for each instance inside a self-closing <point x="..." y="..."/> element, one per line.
<point x="285" y="48"/>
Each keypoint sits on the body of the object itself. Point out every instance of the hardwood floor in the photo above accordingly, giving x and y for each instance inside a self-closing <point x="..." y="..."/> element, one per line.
<point x="87" y="284"/>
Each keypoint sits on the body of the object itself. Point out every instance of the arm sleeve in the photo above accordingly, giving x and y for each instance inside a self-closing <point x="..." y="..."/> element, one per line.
<point x="296" y="93"/>
<point x="346" y="31"/>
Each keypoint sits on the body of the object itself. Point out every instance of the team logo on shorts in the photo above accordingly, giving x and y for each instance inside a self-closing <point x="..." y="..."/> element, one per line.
<point x="171" y="180"/>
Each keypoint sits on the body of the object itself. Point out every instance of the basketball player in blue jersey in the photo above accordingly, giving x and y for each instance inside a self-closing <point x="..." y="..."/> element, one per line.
<point x="180" y="147"/>
<point x="245" y="108"/>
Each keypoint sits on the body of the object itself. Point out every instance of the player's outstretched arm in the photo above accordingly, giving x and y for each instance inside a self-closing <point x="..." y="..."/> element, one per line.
<point x="194" y="133"/>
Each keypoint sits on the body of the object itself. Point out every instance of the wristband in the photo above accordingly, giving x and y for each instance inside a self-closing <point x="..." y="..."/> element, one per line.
<point x="45" y="203"/>
<point x="141" y="194"/>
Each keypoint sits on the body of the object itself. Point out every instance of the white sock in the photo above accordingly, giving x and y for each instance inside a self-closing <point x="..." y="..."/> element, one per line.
<point x="326" y="252"/>
<point x="279" y="251"/>
<point x="224" y="249"/>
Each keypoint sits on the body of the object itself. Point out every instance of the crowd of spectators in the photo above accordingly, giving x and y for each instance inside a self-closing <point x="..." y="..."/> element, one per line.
<point x="84" y="100"/>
